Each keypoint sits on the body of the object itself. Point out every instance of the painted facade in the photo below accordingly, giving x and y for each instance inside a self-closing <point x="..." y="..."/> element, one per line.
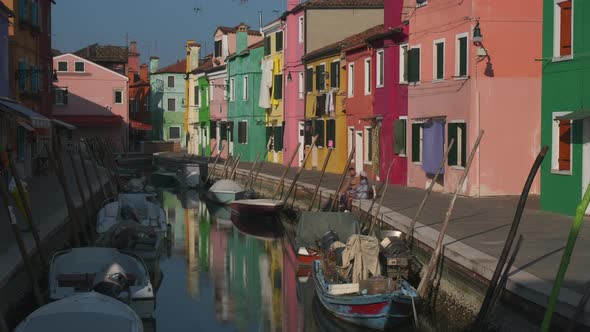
<point x="271" y="89"/>
<point x="167" y="101"/>
<point x="565" y="173"/>
<point x="91" y="97"/>
<point x="458" y="87"/>
<point x="191" y="115"/>
<point x="139" y="92"/>
<point x="247" y="118"/>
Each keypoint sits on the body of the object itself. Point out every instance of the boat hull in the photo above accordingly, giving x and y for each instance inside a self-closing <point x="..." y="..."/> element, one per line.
<point x="253" y="206"/>
<point x="225" y="197"/>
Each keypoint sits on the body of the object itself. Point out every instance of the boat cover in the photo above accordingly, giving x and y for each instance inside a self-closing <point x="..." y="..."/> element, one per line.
<point x="133" y="203"/>
<point x="362" y="255"/>
<point x="127" y="235"/>
<point x="226" y="186"/>
<point x="312" y="225"/>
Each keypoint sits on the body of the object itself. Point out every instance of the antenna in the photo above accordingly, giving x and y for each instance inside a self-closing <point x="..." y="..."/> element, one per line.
<point x="260" y="20"/>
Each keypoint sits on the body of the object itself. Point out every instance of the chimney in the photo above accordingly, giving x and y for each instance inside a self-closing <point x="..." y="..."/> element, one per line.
<point x="292" y="4"/>
<point x="133" y="47"/>
<point x="154" y="63"/>
<point x="143" y="72"/>
<point x="133" y="58"/>
<point x="193" y="53"/>
<point x="241" y="37"/>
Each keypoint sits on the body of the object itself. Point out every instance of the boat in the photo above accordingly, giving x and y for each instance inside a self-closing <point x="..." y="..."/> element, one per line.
<point x="314" y="225"/>
<point x="220" y="214"/>
<point x="267" y="227"/>
<point x="132" y="207"/>
<point x="226" y="191"/>
<point x="365" y="297"/>
<point x="190" y="175"/>
<point x="121" y="275"/>
<point x="88" y="312"/>
<point x="164" y="179"/>
<point x="257" y="206"/>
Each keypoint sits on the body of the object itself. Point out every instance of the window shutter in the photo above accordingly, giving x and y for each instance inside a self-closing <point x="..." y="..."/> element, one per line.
<point x="331" y="131"/>
<point x="320" y="80"/>
<point x="565" y="158"/>
<point x="267" y="45"/>
<point x="440" y="56"/>
<point x="416" y="142"/>
<point x="463" y="56"/>
<point x="335" y="74"/>
<point x="65" y="96"/>
<point x="452" y="160"/>
<point x="463" y="127"/>
<point x="268" y="133"/>
<point x="213" y="130"/>
<point x="414" y="65"/>
<point x="278" y="87"/>
<point x="308" y="131"/>
<point x="196" y="96"/>
<point x="319" y="130"/>
<point x="309" y="80"/>
<point x="279" y="41"/>
<point x="399" y="136"/>
<point x="369" y="139"/>
<point x="223" y="131"/>
<point x="565" y="40"/>
<point x="278" y="136"/>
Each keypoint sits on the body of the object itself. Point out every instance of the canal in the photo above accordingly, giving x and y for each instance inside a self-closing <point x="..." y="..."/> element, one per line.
<point x="218" y="277"/>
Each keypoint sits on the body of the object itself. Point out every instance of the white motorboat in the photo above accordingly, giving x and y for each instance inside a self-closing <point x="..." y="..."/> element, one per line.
<point x="88" y="312"/>
<point x="132" y="207"/>
<point x="121" y="275"/>
<point x="226" y="191"/>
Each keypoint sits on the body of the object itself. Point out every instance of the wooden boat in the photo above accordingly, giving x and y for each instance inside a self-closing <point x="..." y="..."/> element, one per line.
<point x="313" y="225"/>
<point x="88" y="312"/>
<point x="123" y="276"/>
<point x="225" y="192"/>
<point x="132" y="207"/>
<point x="257" y="206"/>
<point x="262" y="227"/>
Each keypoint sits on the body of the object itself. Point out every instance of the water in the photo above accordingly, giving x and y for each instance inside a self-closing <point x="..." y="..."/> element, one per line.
<point x="220" y="278"/>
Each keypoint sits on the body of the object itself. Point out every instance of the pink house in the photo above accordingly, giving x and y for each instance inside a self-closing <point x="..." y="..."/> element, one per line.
<point x="461" y="83"/>
<point x="91" y="97"/>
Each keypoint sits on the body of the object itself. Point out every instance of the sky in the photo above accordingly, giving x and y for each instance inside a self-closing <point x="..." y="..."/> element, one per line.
<point x="160" y="27"/>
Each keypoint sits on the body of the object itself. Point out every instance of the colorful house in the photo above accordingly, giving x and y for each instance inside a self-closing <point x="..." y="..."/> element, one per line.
<point x="312" y="25"/>
<point x="167" y="101"/>
<point x="565" y="119"/>
<point x="191" y="116"/>
<point x="247" y="118"/>
<point x="461" y="83"/>
<point x="139" y="92"/>
<point x="271" y="88"/>
<point x="91" y="97"/>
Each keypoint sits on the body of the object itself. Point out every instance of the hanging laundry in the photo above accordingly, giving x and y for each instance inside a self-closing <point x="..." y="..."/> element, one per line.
<point x="320" y="109"/>
<point x="433" y="146"/>
<point x="277" y="70"/>
<point x="330" y="95"/>
<point x="265" y="83"/>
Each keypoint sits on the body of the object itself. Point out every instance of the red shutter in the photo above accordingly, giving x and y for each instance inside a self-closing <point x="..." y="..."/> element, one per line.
<point x="565" y="44"/>
<point x="564" y="160"/>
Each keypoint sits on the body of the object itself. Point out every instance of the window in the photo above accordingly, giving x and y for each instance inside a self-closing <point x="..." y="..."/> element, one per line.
<point x="403" y="63"/>
<point x="222" y="133"/>
<point x="319" y="130"/>
<point x="197" y="96"/>
<point x="232" y="89"/>
<point x="331" y="132"/>
<point x="213" y="130"/>
<point x="561" y="149"/>
<point x="245" y="88"/>
<point x="278" y="138"/>
<point x="279" y="41"/>
<point x="399" y="137"/>
<point x="420" y="3"/>
<point x="417" y="135"/>
<point x="461" y="55"/>
<point x="320" y="78"/>
<point x="211" y="92"/>
<point x="60" y="96"/>
<point x="439" y="60"/>
<point x="79" y="67"/>
<point x="170" y="81"/>
<point x="62" y="66"/>
<point x="174" y="133"/>
<point x="218" y="48"/>
<point x="335" y="74"/>
<point x="225" y="87"/>
<point x="308" y="132"/>
<point x="380" y="68"/>
<point x="563" y="28"/>
<point x="458" y="152"/>
<point x="171" y="104"/>
<point x="243" y="132"/>
<point x="301" y="85"/>
<point x="267" y="45"/>
<point x="414" y="64"/>
<point x="278" y="87"/>
<point x="301" y="29"/>
<point x="351" y="80"/>
<point x="368" y="145"/>
<point x="309" y="79"/>
<point x="118" y="96"/>
<point x="367" y="77"/>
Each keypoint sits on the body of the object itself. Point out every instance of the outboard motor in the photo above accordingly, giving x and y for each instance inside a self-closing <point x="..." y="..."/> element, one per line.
<point x="111" y="281"/>
<point x="327" y="239"/>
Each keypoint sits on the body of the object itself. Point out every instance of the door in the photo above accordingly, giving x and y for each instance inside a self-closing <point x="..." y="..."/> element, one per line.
<point x="301" y="142"/>
<point x="586" y="159"/>
<point x="230" y="139"/>
<point x="358" y="155"/>
<point x="350" y="142"/>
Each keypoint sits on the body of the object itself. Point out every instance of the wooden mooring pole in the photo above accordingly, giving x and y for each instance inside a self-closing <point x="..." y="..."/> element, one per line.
<point x="296" y="178"/>
<point x="225" y="166"/>
<point x="317" y="186"/>
<point x="408" y="236"/>
<point x="93" y="162"/>
<point x="342" y="177"/>
<point x="383" y="192"/>
<point x="579" y="308"/>
<point x="234" y="169"/>
<point x="98" y="152"/>
<point x="87" y="211"/>
<point x="214" y="168"/>
<point x="431" y="267"/>
<point x="261" y="163"/>
<point x="249" y="178"/>
<point x="282" y="180"/>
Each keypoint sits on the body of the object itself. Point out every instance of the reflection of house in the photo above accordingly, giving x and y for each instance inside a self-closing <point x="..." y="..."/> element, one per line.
<point x="167" y="101"/>
<point x="139" y="93"/>
<point x="91" y="97"/>
<point x="565" y="119"/>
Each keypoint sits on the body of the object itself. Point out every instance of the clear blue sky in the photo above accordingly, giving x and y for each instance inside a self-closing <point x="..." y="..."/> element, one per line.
<point x="160" y="27"/>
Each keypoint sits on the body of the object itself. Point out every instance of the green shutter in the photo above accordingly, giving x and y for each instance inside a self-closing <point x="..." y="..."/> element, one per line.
<point x="223" y="131"/>
<point x="399" y="136"/>
<point x="279" y="41"/>
<point x="268" y="133"/>
<point x="278" y="87"/>
<point x="369" y="139"/>
<point x="278" y="135"/>
<point x="440" y="56"/>
<point x="463" y="56"/>
<point x="416" y="154"/>
<point x="463" y="127"/>
<point x="267" y="45"/>
<point x="309" y="80"/>
<point x="335" y="74"/>
<point x="320" y="80"/>
<point x="308" y="132"/>
<point x="196" y="95"/>
<point x="414" y="65"/>
<point x="452" y="161"/>
<point x="319" y="130"/>
<point x="331" y="132"/>
<point x="213" y="130"/>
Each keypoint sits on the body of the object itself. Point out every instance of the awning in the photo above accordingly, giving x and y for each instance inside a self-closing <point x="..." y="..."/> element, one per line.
<point x="91" y="120"/>
<point x="37" y="120"/>
<point x="26" y="126"/>
<point x="576" y="115"/>
<point x="64" y="124"/>
<point x="136" y="125"/>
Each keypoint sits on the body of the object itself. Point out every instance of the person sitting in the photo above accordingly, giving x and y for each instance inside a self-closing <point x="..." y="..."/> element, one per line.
<point x="351" y="181"/>
<point x="361" y="191"/>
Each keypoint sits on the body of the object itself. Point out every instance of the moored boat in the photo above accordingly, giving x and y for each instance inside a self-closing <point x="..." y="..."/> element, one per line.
<point x="164" y="179"/>
<point x="132" y="207"/>
<point x="89" y="312"/>
<point x="257" y="206"/>
<point x="225" y="192"/>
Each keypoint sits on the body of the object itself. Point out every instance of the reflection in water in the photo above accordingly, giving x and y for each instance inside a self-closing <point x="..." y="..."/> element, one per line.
<point x="221" y="278"/>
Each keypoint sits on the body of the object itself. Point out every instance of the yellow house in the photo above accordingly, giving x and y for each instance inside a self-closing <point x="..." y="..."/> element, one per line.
<point x="325" y="116"/>
<point x="271" y="90"/>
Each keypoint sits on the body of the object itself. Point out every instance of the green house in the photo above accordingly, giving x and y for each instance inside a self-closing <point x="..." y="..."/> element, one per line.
<point x="565" y="121"/>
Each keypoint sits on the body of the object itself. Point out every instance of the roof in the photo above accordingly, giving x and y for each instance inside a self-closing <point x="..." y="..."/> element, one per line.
<point x="204" y="64"/>
<point x="90" y="63"/>
<point x="347" y="43"/>
<point x="235" y="29"/>
<point x="139" y="83"/>
<point x="104" y="53"/>
<point x="247" y="50"/>
<point x="177" y="68"/>
<point x="336" y="4"/>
